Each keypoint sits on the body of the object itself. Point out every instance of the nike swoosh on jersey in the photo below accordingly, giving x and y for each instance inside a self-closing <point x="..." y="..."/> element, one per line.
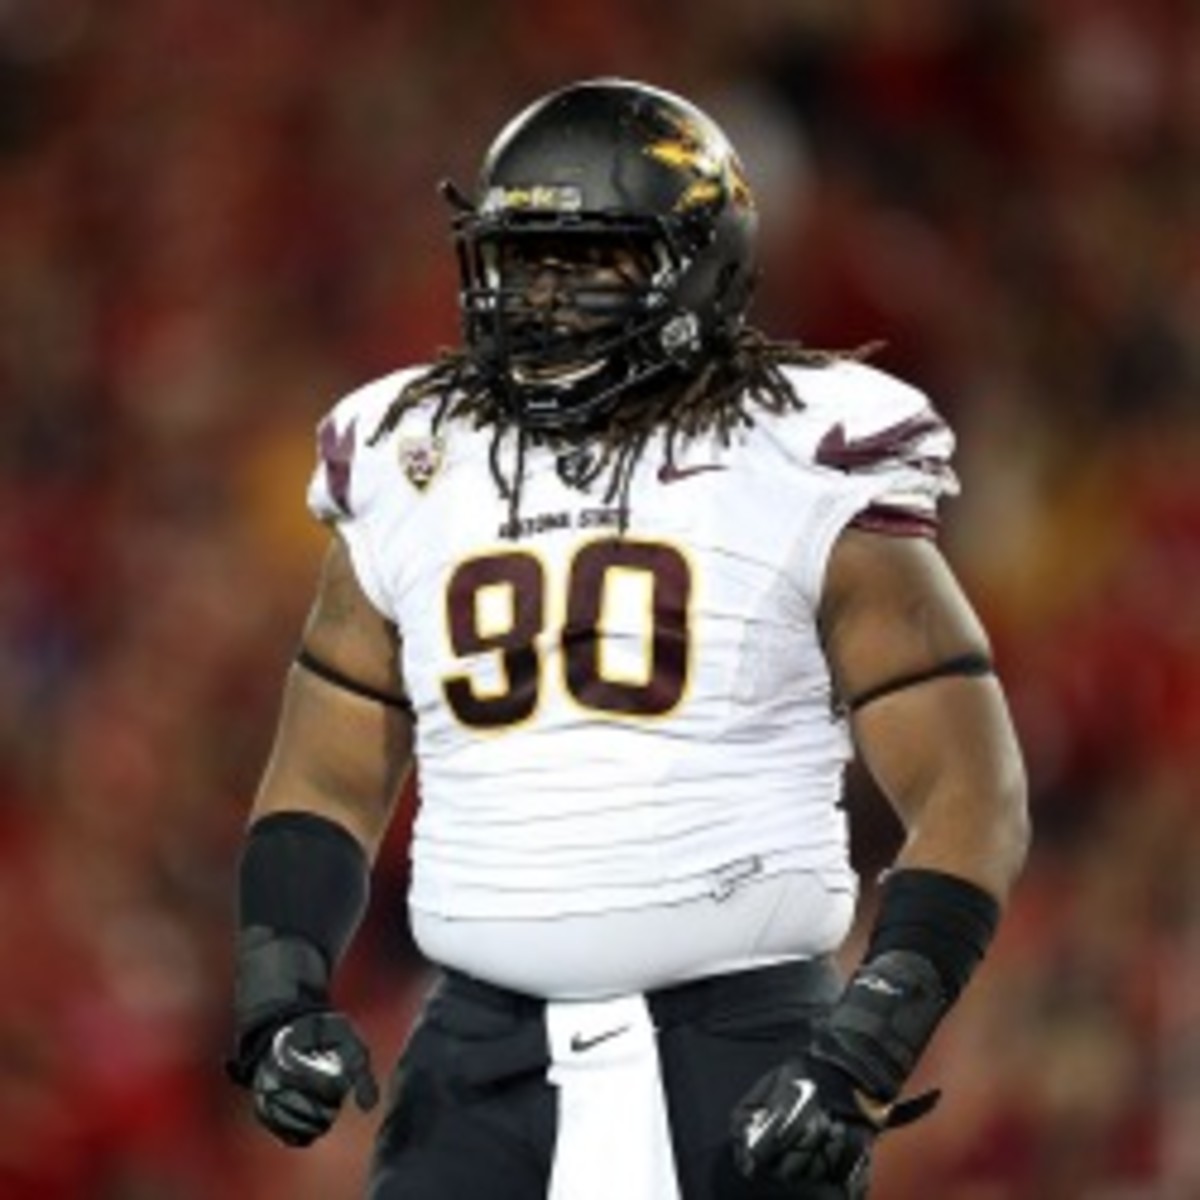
<point x="669" y="473"/>
<point x="579" y="1043"/>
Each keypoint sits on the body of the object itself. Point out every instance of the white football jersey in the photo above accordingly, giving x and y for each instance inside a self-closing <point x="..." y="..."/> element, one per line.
<point x="613" y="720"/>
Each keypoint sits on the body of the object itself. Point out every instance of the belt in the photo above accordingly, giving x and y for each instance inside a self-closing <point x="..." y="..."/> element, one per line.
<point x="814" y="980"/>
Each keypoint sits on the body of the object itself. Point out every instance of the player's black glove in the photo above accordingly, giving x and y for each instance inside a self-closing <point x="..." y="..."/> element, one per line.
<point x="801" y="1123"/>
<point x="310" y="1066"/>
<point x="814" y="1118"/>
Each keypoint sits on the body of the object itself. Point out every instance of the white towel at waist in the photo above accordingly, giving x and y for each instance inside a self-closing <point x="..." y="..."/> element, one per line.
<point x="613" y="1133"/>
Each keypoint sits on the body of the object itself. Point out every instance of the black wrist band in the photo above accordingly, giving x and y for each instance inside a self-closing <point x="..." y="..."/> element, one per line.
<point x="303" y="876"/>
<point x="941" y="917"/>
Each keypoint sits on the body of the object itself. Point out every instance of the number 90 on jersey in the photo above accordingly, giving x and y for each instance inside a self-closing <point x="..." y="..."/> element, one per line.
<point x="497" y="608"/>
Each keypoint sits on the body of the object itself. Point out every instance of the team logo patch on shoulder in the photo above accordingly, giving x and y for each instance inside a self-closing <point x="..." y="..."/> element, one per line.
<point x="421" y="459"/>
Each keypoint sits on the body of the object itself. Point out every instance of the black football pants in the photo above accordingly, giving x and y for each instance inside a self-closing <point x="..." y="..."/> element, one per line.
<point x="472" y="1117"/>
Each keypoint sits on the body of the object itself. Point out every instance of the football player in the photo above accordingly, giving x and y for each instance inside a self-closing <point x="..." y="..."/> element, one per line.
<point x="629" y="583"/>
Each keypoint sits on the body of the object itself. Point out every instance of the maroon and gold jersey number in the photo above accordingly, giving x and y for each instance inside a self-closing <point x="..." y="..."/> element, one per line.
<point x="513" y="641"/>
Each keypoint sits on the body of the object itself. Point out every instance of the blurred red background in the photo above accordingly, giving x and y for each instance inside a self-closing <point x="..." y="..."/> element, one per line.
<point x="216" y="217"/>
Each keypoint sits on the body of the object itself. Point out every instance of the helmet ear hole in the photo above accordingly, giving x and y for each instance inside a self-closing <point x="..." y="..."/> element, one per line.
<point x="605" y="163"/>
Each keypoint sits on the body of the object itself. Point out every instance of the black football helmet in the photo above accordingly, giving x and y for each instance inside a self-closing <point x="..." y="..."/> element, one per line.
<point x="609" y="243"/>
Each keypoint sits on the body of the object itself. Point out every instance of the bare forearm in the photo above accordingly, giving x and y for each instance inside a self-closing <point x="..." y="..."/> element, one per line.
<point x="338" y="756"/>
<point x="977" y="837"/>
<point x="948" y="760"/>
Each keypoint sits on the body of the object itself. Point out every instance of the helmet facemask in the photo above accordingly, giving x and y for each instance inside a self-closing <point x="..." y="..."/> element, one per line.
<point x="567" y="318"/>
<point x="609" y="248"/>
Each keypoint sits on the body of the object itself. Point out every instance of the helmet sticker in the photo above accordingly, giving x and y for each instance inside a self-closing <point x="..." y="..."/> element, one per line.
<point x="539" y="197"/>
<point x="713" y="167"/>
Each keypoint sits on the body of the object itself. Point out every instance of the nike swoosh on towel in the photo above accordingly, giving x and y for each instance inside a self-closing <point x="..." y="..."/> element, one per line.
<point x="579" y="1043"/>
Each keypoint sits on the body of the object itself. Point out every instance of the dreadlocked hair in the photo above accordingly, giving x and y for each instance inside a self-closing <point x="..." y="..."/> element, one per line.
<point x="722" y="397"/>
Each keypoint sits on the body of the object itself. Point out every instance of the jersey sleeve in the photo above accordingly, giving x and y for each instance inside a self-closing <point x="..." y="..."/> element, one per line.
<point x="347" y="487"/>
